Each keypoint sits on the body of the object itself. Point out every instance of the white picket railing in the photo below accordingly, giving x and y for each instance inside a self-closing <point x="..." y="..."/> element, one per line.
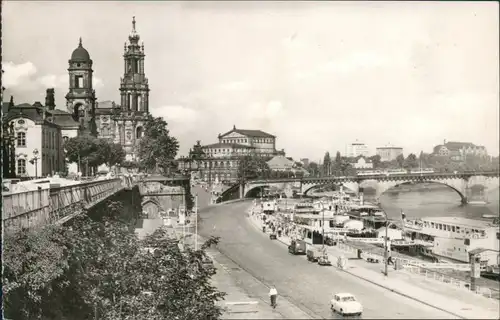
<point x="424" y="269"/>
<point x="440" y="277"/>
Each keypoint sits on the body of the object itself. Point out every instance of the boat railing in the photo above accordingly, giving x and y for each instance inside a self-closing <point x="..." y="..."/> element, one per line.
<point x="475" y="236"/>
<point x="413" y="225"/>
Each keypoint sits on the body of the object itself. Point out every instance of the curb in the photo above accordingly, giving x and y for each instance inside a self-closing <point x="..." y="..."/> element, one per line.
<point x="404" y="295"/>
<point x="387" y="288"/>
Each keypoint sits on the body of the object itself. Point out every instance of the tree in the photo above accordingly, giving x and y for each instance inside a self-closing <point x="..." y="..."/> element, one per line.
<point x="94" y="152"/>
<point x="98" y="269"/>
<point x="400" y="160"/>
<point x="157" y="148"/>
<point x="338" y="163"/>
<point x="327" y="164"/>
<point x="79" y="148"/>
<point x="252" y="166"/>
<point x="411" y="161"/>
<point x="375" y="161"/>
<point x="313" y="168"/>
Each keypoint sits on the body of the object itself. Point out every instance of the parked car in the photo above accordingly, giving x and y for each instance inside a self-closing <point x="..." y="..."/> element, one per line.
<point x="297" y="247"/>
<point x="346" y="304"/>
<point x="313" y="255"/>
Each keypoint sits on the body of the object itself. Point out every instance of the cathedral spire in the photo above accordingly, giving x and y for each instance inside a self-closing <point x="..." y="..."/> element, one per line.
<point x="134" y="36"/>
<point x="80" y="43"/>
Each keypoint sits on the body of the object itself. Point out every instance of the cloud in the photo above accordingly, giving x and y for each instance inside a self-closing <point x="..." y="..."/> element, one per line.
<point x="17" y="74"/>
<point x="62" y="81"/>
<point x="25" y="76"/>
<point x="235" y="86"/>
<point x="177" y="114"/>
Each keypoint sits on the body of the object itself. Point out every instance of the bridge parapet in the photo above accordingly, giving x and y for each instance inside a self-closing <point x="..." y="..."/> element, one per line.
<point x="54" y="204"/>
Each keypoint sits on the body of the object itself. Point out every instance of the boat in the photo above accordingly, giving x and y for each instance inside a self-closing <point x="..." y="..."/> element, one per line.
<point x="452" y="238"/>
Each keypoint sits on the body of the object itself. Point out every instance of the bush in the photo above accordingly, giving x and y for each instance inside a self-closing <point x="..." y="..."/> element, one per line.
<point x="100" y="270"/>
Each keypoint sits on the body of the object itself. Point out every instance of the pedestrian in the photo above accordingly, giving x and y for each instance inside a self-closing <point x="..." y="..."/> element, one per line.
<point x="273" y="294"/>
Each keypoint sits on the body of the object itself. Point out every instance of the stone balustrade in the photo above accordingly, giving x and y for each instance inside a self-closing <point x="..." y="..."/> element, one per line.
<point x="47" y="205"/>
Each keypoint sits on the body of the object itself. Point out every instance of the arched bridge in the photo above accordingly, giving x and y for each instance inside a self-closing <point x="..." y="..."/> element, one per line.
<point x="462" y="183"/>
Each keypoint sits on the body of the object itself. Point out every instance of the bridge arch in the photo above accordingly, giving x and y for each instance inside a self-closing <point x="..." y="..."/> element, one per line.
<point x="151" y="207"/>
<point x="382" y="187"/>
<point x="347" y="186"/>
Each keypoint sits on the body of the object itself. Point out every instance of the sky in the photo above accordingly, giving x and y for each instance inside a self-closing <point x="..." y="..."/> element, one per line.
<point x="318" y="75"/>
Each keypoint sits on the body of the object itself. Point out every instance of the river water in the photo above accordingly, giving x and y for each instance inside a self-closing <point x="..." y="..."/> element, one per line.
<point x="436" y="202"/>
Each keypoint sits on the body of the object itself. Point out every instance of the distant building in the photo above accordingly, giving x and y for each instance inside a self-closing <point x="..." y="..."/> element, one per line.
<point x="356" y="149"/>
<point x="458" y="151"/>
<point x="305" y="162"/>
<point x="389" y="153"/>
<point x="281" y="163"/>
<point x="362" y="163"/>
<point x="37" y="140"/>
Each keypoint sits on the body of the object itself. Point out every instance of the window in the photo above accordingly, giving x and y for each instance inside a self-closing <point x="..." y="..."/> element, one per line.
<point x="453" y="228"/>
<point x="21" y="139"/>
<point x="21" y="166"/>
<point x="78" y="81"/>
<point x="139" y="133"/>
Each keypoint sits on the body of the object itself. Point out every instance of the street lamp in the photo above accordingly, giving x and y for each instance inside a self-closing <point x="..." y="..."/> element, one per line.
<point x="386" y="249"/>
<point x="34" y="161"/>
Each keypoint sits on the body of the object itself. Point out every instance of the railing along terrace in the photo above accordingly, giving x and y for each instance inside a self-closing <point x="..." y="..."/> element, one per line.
<point x="56" y="204"/>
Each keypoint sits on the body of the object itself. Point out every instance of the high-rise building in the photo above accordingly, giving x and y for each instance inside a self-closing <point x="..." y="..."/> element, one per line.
<point x="357" y="149"/>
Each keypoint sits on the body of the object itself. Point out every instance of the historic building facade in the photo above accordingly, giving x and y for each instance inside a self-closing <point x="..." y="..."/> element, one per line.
<point x="123" y="124"/>
<point x="221" y="160"/>
<point x="37" y="140"/>
<point x="458" y="151"/>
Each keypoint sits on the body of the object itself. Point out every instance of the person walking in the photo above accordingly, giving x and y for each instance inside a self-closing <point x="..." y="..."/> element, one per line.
<point x="273" y="294"/>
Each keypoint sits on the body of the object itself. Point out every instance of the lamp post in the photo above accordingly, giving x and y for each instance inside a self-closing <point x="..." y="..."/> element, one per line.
<point x="386" y="249"/>
<point x="34" y="161"/>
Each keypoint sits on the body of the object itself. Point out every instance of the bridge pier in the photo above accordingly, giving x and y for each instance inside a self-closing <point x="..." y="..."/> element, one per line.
<point x="242" y="190"/>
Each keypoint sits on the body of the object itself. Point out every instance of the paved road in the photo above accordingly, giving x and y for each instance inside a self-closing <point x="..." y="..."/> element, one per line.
<point x="304" y="285"/>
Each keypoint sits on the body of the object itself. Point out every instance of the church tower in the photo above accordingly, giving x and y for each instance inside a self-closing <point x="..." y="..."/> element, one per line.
<point x="80" y="100"/>
<point x="134" y="88"/>
<point x="134" y="92"/>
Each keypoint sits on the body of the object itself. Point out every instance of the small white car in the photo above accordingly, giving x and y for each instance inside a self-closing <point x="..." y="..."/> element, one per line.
<point x="346" y="304"/>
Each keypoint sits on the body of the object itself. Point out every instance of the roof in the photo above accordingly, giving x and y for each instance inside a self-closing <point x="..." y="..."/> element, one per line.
<point x="64" y="119"/>
<point x="344" y="294"/>
<point x="280" y="161"/>
<point x="454" y="145"/>
<point x="250" y="133"/>
<point x="28" y="111"/>
<point x="389" y="147"/>
<point x="80" y="53"/>
<point x="480" y="250"/>
<point x="227" y="145"/>
<point x="460" y="222"/>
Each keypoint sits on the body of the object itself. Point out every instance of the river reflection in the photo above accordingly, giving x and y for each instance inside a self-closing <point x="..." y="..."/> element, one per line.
<point x="436" y="201"/>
